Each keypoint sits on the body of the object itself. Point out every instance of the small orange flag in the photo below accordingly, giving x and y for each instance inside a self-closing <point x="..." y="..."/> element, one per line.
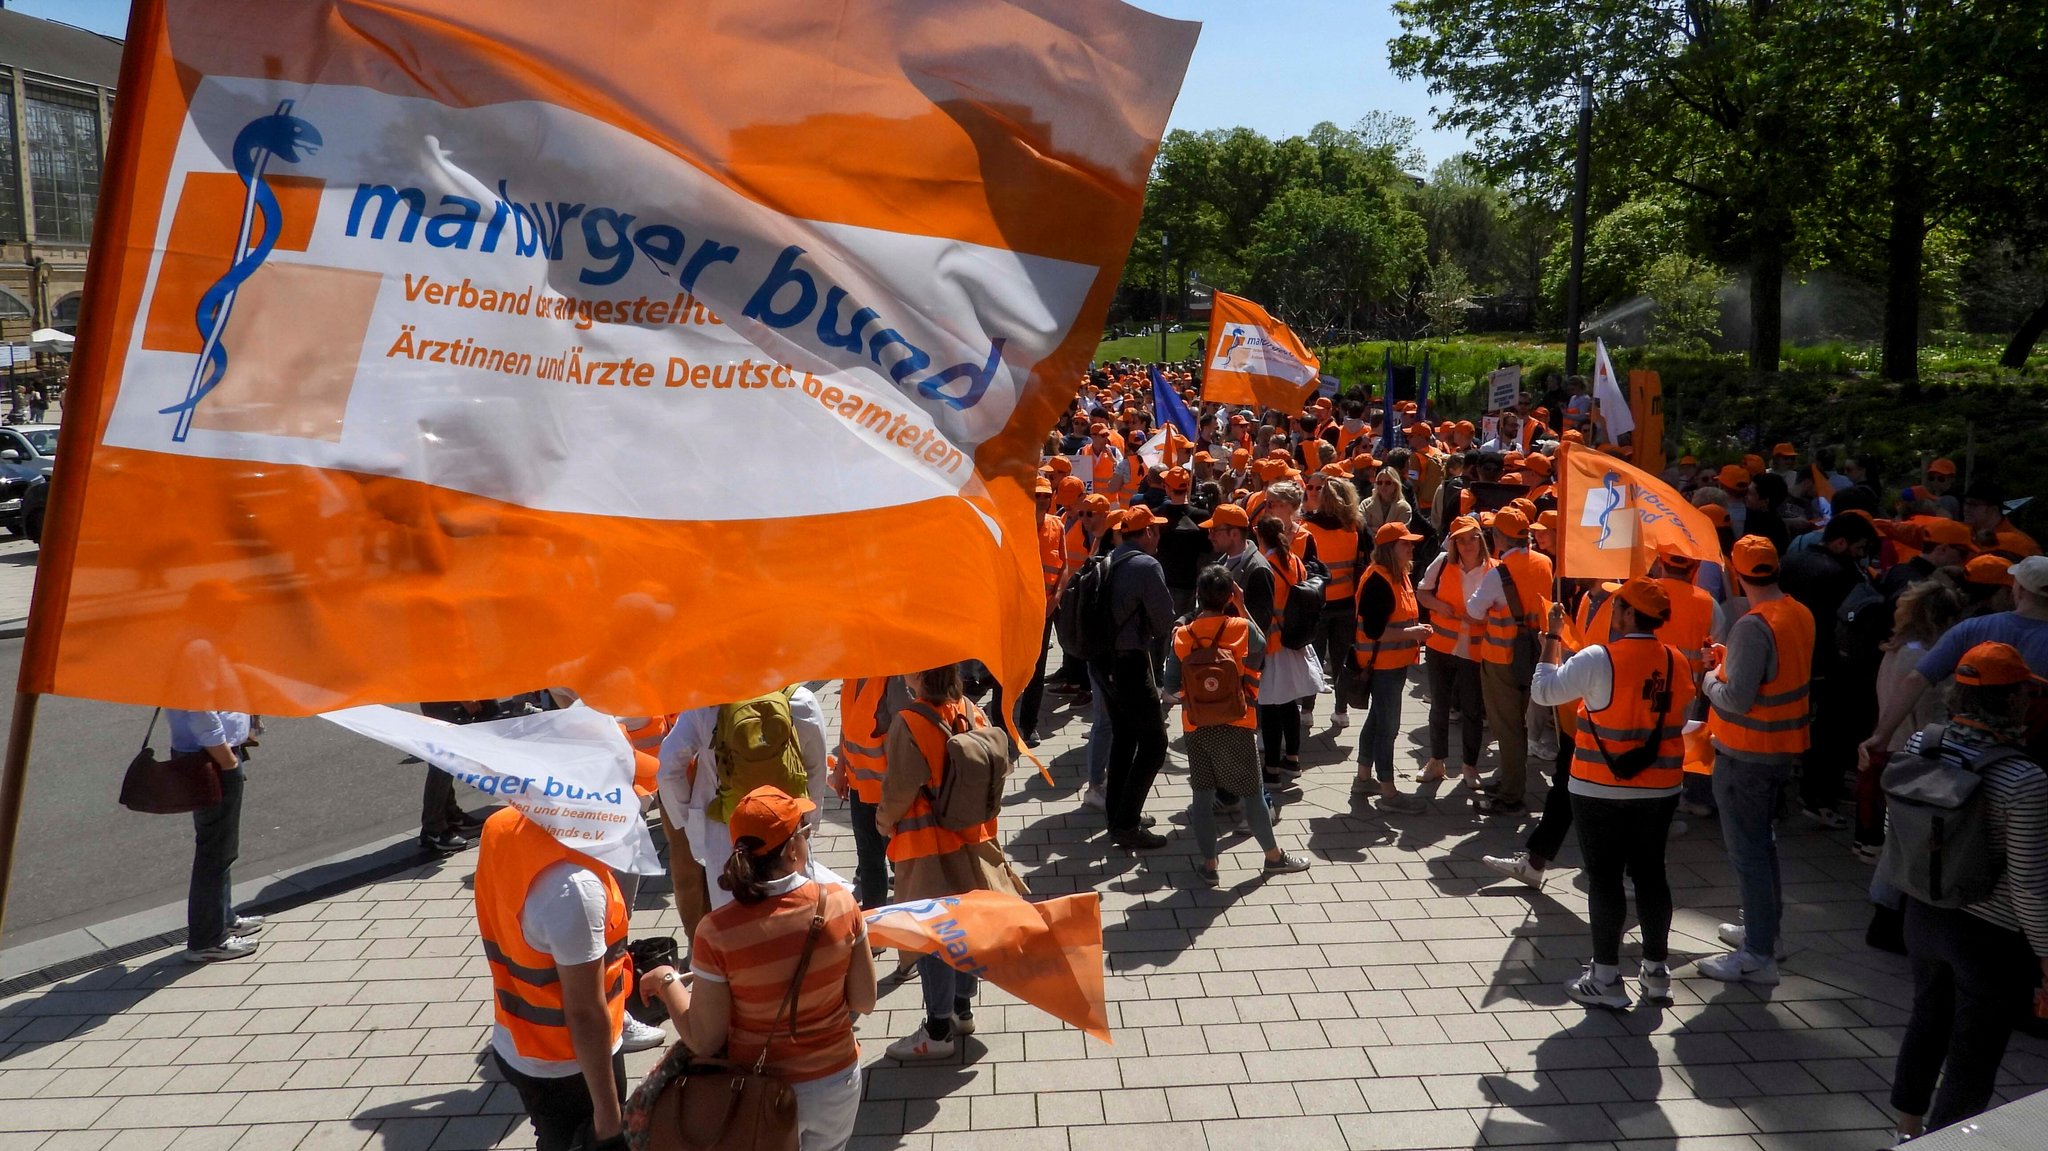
<point x="1614" y="517"/>
<point x="1256" y="359"/>
<point x="1048" y="954"/>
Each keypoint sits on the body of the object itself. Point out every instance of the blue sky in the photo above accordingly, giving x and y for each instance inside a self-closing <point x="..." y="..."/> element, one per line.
<point x="1275" y="65"/>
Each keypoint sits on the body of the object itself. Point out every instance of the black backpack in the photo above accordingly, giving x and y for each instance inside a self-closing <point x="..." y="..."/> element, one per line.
<point x="1086" y="615"/>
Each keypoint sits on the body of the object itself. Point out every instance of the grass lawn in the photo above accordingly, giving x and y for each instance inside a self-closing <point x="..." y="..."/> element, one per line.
<point x="1179" y="346"/>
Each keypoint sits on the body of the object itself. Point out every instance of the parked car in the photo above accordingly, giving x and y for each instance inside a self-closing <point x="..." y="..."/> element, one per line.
<point x="27" y="453"/>
<point x="35" y="505"/>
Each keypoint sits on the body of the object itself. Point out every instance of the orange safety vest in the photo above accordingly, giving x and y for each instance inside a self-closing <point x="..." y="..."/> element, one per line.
<point x="1778" y="722"/>
<point x="1691" y="625"/>
<point x="1288" y="570"/>
<point x="1644" y="667"/>
<point x="1052" y="551"/>
<point x="1531" y="572"/>
<point x="1450" y="588"/>
<point x="1338" y="549"/>
<point x="1390" y="653"/>
<point x="862" y="729"/>
<point x="646" y="740"/>
<point x="918" y="833"/>
<point x="1080" y="545"/>
<point x="1102" y="474"/>
<point x="524" y="981"/>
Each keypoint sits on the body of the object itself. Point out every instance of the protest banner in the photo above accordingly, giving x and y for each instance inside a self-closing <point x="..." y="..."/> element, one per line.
<point x="1646" y="406"/>
<point x="570" y="771"/>
<point x="1503" y="387"/>
<point x="608" y="349"/>
<point x="1613" y="517"/>
<point x="1049" y="953"/>
<point x="1256" y="359"/>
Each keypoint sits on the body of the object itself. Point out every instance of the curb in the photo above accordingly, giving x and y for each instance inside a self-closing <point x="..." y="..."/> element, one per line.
<point x="13" y="629"/>
<point x="37" y="964"/>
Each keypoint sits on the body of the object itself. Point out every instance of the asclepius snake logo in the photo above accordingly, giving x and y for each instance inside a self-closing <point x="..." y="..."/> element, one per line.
<point x="278" y="136"/>
<point x="1614" y="496"/>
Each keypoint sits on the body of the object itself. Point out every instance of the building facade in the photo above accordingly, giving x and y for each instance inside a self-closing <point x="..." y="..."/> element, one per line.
<point x="56" y="107"/>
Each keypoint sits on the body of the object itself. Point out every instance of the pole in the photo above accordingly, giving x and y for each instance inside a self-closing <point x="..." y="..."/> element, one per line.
<point x="1573" y="293"/>
<point x="1163" y="238"/>
<point x="13" y="785"/>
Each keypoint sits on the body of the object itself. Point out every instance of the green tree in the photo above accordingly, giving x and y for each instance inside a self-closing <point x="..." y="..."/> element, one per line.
<point x="1621" y="247"/>
<point x="1688" y="295"/>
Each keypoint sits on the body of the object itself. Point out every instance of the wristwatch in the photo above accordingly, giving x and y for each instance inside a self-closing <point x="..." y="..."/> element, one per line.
<point x="671" y="977"/>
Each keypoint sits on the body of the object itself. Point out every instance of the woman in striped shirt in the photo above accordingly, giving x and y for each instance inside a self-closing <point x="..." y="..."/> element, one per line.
<point x="746" y="957"/>
<point x="1974" y="967"/>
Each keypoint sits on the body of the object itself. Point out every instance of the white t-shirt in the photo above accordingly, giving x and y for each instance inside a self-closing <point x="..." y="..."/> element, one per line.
<point x="564" y="916"/>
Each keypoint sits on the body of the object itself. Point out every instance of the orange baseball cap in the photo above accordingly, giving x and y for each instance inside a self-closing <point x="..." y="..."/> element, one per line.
<point x="1672" y="557"/>
<point x="1204" y="458"/>
<point x="1227" y="516"/>
<point x="1647" y="596"/>
<point x="770" y="815"/>
<point x="1536" y="462"/>
<point x="1939" y="532"/>
<point x="1716" y="515"/>
<point x="1994" y="665"/>
<point x="1423" y="430"/>
<point x="1754" y="556"/>
<point x="1042" y="488"/>
<point x="1571" y="436"/>
<point x="1239" y="457"/>
<point x="1178" y="479"/>
<point x="1270" y="469"/>
<point x="1526" y="506"/>
<point x="1547" y="521"/>
<point x="1510" y="522"/>
<point x="1941" y="467"/>
<point x="1785" y="450"/>
<point x="1733" y="477"/>
<point x="1989" y="570"/>
<point x="1096" y="502"/>
<point x="1465" y="426"/>
<point x="1060" y="465"/>
<point x="1754" y="464"/>
<point x="1098" y="428"/>
<point x="1334" y="471"/>
<point x="1137" y="519"/>
<point x="1688" y="462"/>
<point x="1463" y="526"/>
<point x="1393" y="532"/>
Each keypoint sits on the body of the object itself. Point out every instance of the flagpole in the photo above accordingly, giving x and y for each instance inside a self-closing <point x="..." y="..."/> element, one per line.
<point x="1564" y="472"/>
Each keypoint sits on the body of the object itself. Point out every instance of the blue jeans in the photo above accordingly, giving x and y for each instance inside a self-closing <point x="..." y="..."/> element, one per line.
<point x="1202" y="817"/>
<point x="1382" y="722"/>
<point x="1098" y="731"/>
<point x="1747" y="794"/>
<point x="216" y="841"/>
<point x="944" y="986"/>
<point x="871" y="857"/>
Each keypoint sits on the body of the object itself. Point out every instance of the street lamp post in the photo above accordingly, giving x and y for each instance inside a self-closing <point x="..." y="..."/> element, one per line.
<point x="1573" y="293"/>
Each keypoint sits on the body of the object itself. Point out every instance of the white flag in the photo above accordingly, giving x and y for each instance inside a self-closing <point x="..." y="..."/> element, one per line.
<point x="570" y="771"/>
<point x="1609" y="394"/>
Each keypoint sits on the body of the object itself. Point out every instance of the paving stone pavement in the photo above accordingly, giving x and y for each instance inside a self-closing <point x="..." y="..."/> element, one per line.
<point x="1398" y="996"/>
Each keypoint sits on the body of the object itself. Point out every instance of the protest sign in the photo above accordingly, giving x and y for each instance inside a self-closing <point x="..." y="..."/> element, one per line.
<point x="1503" y="388"/>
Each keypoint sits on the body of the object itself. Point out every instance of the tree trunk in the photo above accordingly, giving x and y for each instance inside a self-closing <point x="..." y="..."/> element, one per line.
<point x="2025" y="337"/>
<point x="1905" y="253"/>
<point x="1766" y="304"/>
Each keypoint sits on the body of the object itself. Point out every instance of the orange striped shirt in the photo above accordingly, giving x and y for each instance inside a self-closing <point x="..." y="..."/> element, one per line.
<point x="754" y="950"/>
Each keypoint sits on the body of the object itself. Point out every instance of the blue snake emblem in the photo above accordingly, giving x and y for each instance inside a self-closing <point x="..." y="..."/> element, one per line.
<point x="1614" y="500"/>
<point x="278" y="136"/>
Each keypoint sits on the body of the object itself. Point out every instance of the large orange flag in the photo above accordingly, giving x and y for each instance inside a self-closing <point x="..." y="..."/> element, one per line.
<point x="438" y="349"/>
<point x="1256" y="359"/>
<point x="1048" y="954"/>
<point x="1614" y="517"/>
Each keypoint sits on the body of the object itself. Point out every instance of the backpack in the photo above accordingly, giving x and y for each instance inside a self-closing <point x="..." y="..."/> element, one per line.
<point x="1527" y="648"/>
<point x="1862" y="623"/>
<point x="1212" y="684"/>
<point x="1939" y="849"/>
<point x="754" y="745"/>
<point x="972" y="778"/>
<point x="1304" y="604"/>
<point x="1085" y="614"/>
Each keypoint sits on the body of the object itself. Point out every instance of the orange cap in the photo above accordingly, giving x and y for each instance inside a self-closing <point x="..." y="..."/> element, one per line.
<point x="1096" y="502"/>
<point x="1733" y="477"/>
<point x="1716" y="515"/>
<point x="1239" y="457"/>
<point x="1463" y="526"/>
<point x="1270" y="469"/>
<point x="1547" y="521"/>
<point x="1989" y="570"/>
<point x="1526" y="506"/>
<point x="1393" y="532"/>
<point x="1536" y="462"/>
<point x="1994" y="665"/>
<point x="1419" y="429"/>
<point x="1227" y="516"/>
<point x="1688" y="462"/>
<point x="1178" y="479"/>
<point x="1754" y="556"/>
<point x="1060" y="465"/>
<point x="1042" y="488"/>
<point x="1785" y="450"/>
<point x="1646" y="596"/>
<point x="1204" y="458"/>
<point x="1571" y="436"/>
<point x="1941" y="467"/>
<point x="1673" y="557"/>
<point x="768" y="814"/>
<point x="1939" y="532"/>
<point x="1754" y="465"/>
<point x="1465" y="426"/>
<point x="1510" y="522"/>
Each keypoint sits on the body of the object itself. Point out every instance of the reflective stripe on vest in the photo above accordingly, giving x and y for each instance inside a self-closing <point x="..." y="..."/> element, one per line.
<point x="1386" y="654"/>
<point x="862" y="729"/>
<point x="918" y="833"/>
<point x="526" y="987"/>
<point x="1338" y="548"/>
<point x="1450" y="588"/>
<point x="1778" y="722"/>
<point x="1532" y="585"/>
<point x="1052" y="551"/>
<point x="1639" y="663"/>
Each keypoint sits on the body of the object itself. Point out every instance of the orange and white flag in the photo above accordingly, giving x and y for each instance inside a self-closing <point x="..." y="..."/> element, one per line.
<point x="439" y="349"/>
<point x="1613" y="518"/>
<point x="1256" y="359"/>
<point x="1047" y="953"/>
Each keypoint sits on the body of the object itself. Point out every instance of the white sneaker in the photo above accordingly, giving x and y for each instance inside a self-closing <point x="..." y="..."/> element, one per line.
<point x="1655" y="981"/>
<point x="1740" y="967"/>
<point x="1736" y="937"/>
<point x="1340" y="721"/>
<point x="1516" y="866"/>
<point x="233" y="947"/>
<point x="1590" y="991"/>
<point x="639" y="1036"/>
<point x="1094" y="797"/>
<point x="246" y="925"/>
<point x="963" y="1025"/>
<point x="919" y="1046"/>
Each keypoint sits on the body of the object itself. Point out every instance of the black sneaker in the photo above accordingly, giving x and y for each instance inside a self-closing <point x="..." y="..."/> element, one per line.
<point x="1138" y="839"/>
<point x="448" y="843"/>
<point x="1148" y="822"/>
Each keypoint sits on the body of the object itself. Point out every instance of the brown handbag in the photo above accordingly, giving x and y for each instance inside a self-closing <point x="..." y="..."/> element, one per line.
<point x="182" y="783"/>
<point x="718" y="1105"/>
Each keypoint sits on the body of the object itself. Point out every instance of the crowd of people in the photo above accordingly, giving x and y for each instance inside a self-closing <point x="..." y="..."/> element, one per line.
<point x="1239" y="574"/>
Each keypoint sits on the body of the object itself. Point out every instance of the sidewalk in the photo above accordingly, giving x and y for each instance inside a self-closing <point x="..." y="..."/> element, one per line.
<point x="1397" y="996"/>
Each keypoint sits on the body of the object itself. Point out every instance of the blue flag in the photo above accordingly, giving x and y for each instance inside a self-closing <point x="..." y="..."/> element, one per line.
<point x="1169" y="408"/>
